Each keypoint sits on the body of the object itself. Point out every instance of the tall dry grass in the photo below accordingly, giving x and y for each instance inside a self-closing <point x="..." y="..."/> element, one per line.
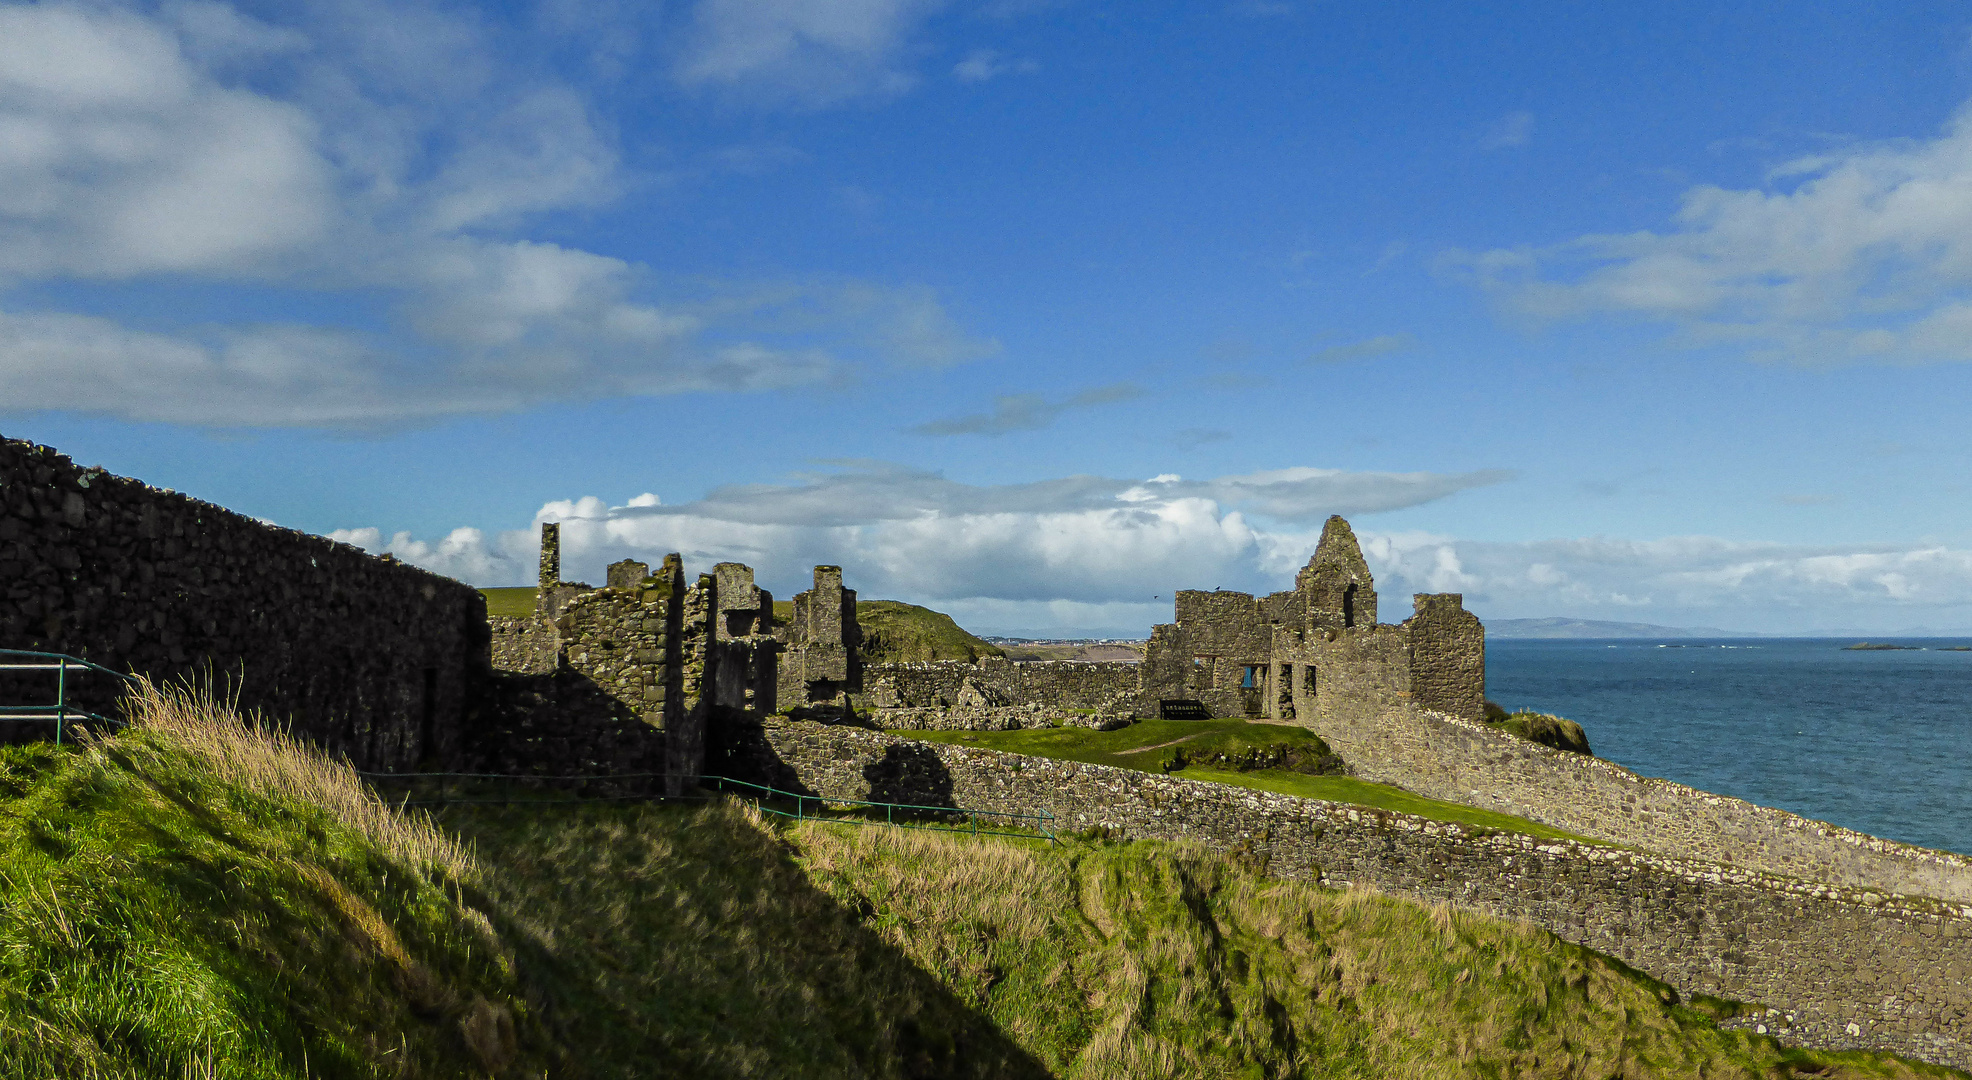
<point x="273" y="764"/>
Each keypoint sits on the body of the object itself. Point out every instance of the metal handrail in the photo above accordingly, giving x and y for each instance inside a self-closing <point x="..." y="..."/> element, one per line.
<point x="60" y="712"/>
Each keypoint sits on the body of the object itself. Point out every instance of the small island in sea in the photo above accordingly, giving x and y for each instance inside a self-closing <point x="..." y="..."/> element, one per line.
<point x="1877" y="646"/>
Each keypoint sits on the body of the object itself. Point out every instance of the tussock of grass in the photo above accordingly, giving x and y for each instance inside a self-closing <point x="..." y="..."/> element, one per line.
<point x="194" y="898"/>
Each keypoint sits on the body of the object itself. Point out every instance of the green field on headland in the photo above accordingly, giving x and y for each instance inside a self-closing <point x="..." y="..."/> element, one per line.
<point x="194" y="898"/>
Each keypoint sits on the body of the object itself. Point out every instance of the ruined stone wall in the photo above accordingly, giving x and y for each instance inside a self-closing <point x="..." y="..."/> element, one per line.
<point x="1052" y="685"/>
<point x="1339" y="591"/>
<point x="629" y="677"/>
<point x="1855" y="968"/>
<point x="823" y="644"/>
<point x="1218" y="652"/>
<point x="602" y="692"/>
<point x="1363" y="670"/>
<point x="1458" y="760"/>
<point x="524" y="646"/>
<point x="1447" y="656"/>
<point x="365" y="656"/>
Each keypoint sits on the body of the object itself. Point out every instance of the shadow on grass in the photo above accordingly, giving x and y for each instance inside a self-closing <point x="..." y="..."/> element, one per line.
<point x="687" y="941"/>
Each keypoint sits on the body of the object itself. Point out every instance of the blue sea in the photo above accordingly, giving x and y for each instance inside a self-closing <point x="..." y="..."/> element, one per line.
<point x="1875" y="741"/>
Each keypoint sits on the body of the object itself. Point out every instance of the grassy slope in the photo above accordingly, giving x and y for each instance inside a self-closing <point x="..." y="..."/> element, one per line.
<point x="192" y="899"/>
<point x="187" y="901"/>
<point x="895" y="632"/>
<point x="724" y="944"/>
<point x="1212" y="750"/>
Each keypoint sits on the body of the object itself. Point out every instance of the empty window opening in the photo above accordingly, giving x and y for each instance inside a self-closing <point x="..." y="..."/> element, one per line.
<point x="1252" y="676"/>
<point x="1349" y="605"/>
<point x="1308" y="678"/>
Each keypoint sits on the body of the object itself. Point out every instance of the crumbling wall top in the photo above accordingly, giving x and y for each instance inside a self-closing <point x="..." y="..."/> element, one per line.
<point x="1340" y="592"/>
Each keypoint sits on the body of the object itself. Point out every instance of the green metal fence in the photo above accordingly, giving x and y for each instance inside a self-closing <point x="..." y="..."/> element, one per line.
<point x="63" y="710"/>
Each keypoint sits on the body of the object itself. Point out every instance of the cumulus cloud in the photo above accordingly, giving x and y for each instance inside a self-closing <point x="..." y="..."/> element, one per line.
<point x="1087" y="555"/>
<point x="364" y="156"/>
<point x="1777" y="588"/>
<point x="119" y="156"/>
<point x="1864" y="254"/>
<point x="1028" y="412"/>
<point x="1083" y="544"/>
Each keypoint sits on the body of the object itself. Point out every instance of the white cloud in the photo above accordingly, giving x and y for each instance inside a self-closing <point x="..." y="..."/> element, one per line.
<point x="1864" y="254"/>
<point x="1087" y="554"/>
<point x="364" y="153"/>
<point x="981" y="65"/>
<point x="1028" y="412"/>
<point x="804" y="52"/>
<point x="915" y="535"/>
<point x="1513" y="129"/>
<point x="118" y="156"/>
<point x="1688" y="580"/>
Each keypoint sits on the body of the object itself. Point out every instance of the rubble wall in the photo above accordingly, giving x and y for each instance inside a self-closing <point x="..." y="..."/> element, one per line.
<point x="363" y="655"/>
<point x="1457" y="760"/>
<point x="1447" y="656"/>
<point x="1855" y="968"/>
<point x="1365" y="670"/>
<point x="526" y="646"/>
<point x="1050" y="684"/>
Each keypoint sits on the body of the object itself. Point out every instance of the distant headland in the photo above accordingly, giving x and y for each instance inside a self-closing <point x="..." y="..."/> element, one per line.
<point x="1593" y="628"/>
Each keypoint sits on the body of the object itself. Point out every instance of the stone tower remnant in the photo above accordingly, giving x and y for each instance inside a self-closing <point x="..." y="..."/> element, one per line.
<point x="1316" y="650"/>
<point x="550" y="555"/>
<point x="824" y="643"/>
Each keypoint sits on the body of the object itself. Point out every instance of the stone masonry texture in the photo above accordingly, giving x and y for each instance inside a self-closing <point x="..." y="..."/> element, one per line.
<point x="366" y="656"/>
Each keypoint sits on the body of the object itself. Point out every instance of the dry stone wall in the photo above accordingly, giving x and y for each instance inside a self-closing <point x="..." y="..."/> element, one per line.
<point x="1458" y="760"/>
<point x="365" y="656"/>
<point x="1853" y="968"/>
<point x="526" y="646"/>
<point x="1447" y="656"/>
<point x="1045" y="687"/>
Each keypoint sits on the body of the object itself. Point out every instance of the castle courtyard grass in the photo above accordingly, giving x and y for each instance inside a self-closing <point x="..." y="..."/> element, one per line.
<point x="1216" y="750"/>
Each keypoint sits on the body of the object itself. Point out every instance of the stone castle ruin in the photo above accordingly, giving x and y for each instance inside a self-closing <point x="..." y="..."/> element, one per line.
<point x="640" y="670"/>
<point x="1849" y="940"/>
<point x="1306" y="656"/>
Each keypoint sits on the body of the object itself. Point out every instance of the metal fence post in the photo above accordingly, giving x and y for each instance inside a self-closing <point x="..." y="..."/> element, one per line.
<point x="61" y="697"/>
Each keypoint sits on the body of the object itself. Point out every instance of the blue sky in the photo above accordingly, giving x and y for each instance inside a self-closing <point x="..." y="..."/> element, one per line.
<point x="1031" y="311"/>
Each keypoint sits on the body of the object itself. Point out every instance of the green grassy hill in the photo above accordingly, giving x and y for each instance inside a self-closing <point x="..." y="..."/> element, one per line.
<point x="196" y="899"/>
<point x="893" y="631"/>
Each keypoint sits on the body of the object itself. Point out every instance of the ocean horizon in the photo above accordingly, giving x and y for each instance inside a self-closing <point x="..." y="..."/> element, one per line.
<point x="1878" y="741"/>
